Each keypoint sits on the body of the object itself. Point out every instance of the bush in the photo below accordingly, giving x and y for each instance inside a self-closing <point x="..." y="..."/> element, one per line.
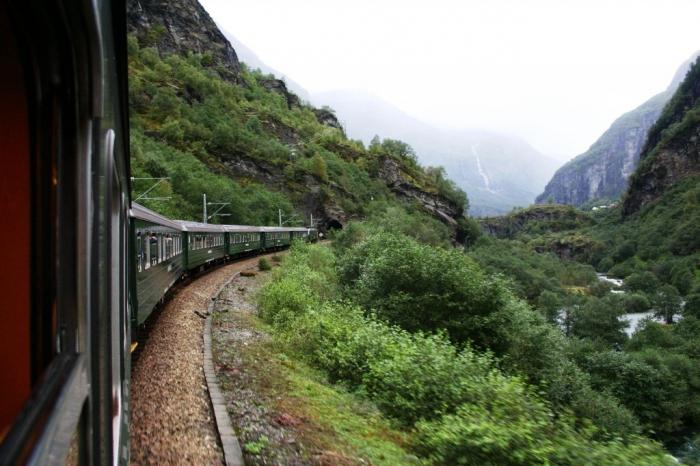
<point x="510" y="429"/>
<point x="264" y="264"/>
<point x="466" y="410"/>
<point x="599" y="319"/>
<point x="519" y="430"/>
<point x="421" y="288"/>
<point x="276" y="258"/>
<point x="635" y="302"/>
<point x="645" y="282"/>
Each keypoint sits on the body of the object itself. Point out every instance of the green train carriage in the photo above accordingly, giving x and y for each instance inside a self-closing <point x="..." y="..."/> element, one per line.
<point x="158" y="259"/>
<point x="204" y="244"/>
<point x="243" y="239"/>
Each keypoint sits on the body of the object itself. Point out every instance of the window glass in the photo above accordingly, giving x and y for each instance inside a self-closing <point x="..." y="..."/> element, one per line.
<point x="139" y="252"/>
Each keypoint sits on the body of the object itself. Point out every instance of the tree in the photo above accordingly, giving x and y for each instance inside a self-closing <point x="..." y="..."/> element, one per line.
<point x="598" y="319"/>
<point x="692" y="306"/>
<point x="550" y="304"/>
<point x="642" y="281"/>
<point x="319" y="167"/>
<point x="399" y="149"/>
<point x="682" y="278"/>
<point x="375" y="145"/>
<point x="667" y="303"/>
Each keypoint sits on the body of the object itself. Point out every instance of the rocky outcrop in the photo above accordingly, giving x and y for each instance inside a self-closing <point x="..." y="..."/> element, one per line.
<point x="325" y="116"/>
<point x="182" y="26"/>
<point x="602" y="172"/>
<point x="537" y="219"/>
<point x="279" y="86"/>
<point x="397" y="180"/>
<point x="309" y="193"/>
<point x="672" y="151"/>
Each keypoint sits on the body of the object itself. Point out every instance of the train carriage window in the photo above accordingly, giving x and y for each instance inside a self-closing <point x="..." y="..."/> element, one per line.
<point x="139" y="252"/>
<point x="154" y="248"/>
<point x="146" y="251"/>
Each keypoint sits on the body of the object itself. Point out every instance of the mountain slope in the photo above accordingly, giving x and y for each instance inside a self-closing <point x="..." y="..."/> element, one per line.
<point x="497" y="171"/>
<point x="212" y="126"/>
<point x="602" y="171"/>
<point x="672" y="150"/>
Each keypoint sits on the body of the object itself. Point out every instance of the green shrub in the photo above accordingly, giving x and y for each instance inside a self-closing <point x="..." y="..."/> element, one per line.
<point x="422" y="288"/>
<point x="509" y="429"/>
<point x="635" y="302"/>
<point x="519" y="430"/>
<point x="466" y="410"/>
<point x="264" y="264"/>
<point x="645" y="282"/>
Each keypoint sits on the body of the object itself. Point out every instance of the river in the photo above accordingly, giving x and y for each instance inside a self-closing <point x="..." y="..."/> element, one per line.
<point x="634" y="318"/>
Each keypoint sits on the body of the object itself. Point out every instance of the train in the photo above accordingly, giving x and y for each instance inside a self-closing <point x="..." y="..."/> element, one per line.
<point x="166" y="251"/>
<point x="83" y="267"/>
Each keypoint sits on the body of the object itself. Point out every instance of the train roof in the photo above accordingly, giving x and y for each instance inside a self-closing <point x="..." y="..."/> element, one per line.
<point x="214" y="228"/>
<point x="142" y="213"/>
<point x="201" y="227"/>
<point x="287" y="228"/>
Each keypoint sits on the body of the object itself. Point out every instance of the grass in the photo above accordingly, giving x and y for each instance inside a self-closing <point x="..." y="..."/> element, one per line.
<point x="329" y="421"/>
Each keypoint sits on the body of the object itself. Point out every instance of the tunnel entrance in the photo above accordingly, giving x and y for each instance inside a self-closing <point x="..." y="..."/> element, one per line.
<point x="334" y="224"/>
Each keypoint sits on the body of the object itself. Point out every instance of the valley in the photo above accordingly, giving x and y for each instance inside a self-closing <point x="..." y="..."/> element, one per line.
<point x="474" y="312"/>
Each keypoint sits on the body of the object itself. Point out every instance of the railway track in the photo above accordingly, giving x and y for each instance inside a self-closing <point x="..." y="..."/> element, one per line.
<point x="172" y="420"/>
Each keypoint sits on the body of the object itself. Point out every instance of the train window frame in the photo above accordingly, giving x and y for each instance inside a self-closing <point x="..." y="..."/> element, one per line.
<point x="139" y="252"/>
<point x="57" y="67"/>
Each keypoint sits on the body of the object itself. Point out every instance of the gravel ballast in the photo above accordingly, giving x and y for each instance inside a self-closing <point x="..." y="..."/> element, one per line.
<point x="171" y="417"/>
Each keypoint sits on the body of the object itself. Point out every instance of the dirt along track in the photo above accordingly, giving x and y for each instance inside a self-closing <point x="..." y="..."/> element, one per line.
<point x="171" y="418"/>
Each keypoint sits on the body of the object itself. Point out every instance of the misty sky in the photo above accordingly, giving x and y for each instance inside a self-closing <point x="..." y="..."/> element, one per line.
<point x="554" y="72"/>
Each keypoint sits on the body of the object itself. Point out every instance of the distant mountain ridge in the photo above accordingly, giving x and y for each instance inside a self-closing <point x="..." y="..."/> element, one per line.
<point x="250" y="58"/>
<point x="601" y="173"/>
<point x="497" y="171"/>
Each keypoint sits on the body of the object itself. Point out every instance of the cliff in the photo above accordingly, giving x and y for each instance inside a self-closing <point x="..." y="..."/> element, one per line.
<point x="602" y="172"/>
<point x="672" y="150"/>
<point x="182" y="27"/>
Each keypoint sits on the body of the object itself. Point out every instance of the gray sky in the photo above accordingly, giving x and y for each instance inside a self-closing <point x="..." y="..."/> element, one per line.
<point x="554" y="72"/>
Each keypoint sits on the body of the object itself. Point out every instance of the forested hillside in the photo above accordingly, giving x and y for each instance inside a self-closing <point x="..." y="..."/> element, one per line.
<point x="652" y="243"/>
<point x="207" y="124"/>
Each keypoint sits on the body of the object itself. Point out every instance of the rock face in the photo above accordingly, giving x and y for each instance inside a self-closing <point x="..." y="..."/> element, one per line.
<point x="391" y="172"/>
<point x="602" y="172"/>
<point x="277" y="85"/>
<point x="314" y="200"/>
<point x="328" y="118"/>
<point x="672" y="150"/>
<point x="182" y="26"/>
